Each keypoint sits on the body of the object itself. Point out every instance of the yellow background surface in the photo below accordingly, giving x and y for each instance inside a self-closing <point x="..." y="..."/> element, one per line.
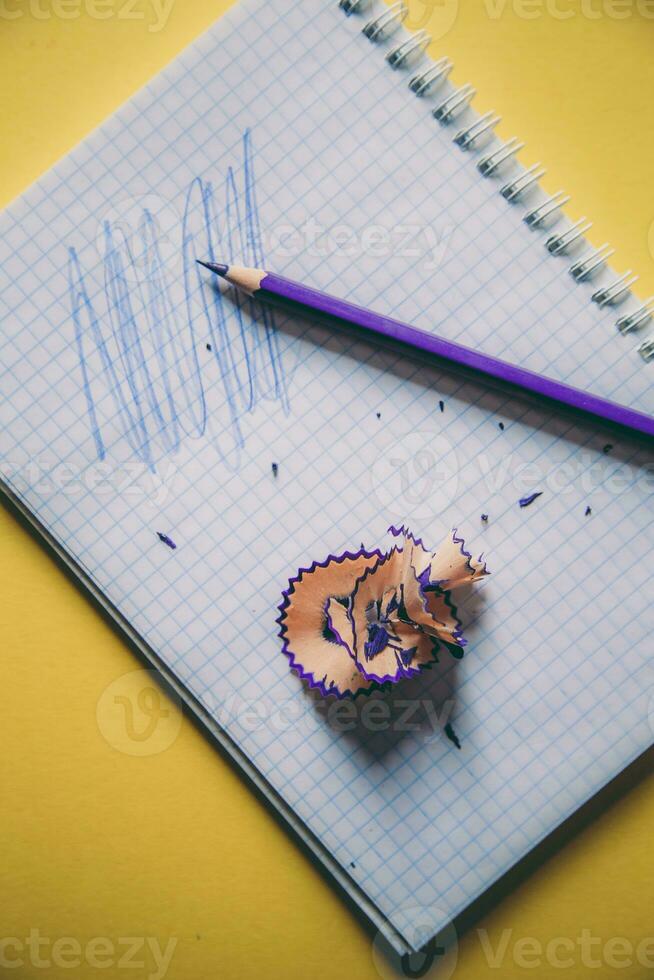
<point x="97" y="841"/>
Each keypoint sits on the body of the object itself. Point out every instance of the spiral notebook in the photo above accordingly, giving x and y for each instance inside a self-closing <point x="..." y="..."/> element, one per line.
<point x="142" y="408"/>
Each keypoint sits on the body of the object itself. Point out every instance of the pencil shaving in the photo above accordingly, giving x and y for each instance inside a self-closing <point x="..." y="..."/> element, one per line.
<point x="360" y="620"/>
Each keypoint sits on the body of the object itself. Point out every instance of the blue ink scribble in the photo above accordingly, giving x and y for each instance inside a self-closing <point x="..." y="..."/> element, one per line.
<point x="137" y="337"/>
<point x="166" y="540"/>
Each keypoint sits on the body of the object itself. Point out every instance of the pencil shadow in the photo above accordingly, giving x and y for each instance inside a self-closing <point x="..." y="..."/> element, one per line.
<point x="422" y="707"/>
<point x="418" y="708"/>
<point x="445" y="378"/>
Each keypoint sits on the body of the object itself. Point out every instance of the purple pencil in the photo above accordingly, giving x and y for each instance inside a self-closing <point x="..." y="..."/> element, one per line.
<point x="269" y="287"/>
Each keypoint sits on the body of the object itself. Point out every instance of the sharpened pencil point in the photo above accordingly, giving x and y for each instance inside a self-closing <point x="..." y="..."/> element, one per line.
<point x="217" y="267"/>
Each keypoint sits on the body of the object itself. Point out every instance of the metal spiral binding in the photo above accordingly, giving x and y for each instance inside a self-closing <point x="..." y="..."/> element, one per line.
<point x="426" y="80"/>
<point x="615" y="291"/>
<point x="638" y="318"/>
<point x="646" y="349"/>
<point x="409" y="50"/>
<point x="353" y="6"/>
<point x="434" y="74"/>
<point x="466" y="138"/>
<point x="536" y="217"/>
<point x="489" y="164"/>
<point x="558" y="244"/>
<point x="454" y="103"/>
<point x="516" y="188"/>
<point x="380" y="27"/>
<point x="591" y="262"/>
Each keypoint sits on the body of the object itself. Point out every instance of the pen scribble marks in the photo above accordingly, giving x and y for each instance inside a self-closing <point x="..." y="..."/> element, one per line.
<point x="137" y="337"/>
<point x="166" y="540"/>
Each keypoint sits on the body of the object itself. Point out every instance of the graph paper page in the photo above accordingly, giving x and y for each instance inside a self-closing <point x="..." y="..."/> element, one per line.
<point x="138" y="399"/>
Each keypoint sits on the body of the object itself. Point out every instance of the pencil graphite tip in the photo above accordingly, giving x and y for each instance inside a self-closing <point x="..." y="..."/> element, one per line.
<point x="218" y="267"/>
